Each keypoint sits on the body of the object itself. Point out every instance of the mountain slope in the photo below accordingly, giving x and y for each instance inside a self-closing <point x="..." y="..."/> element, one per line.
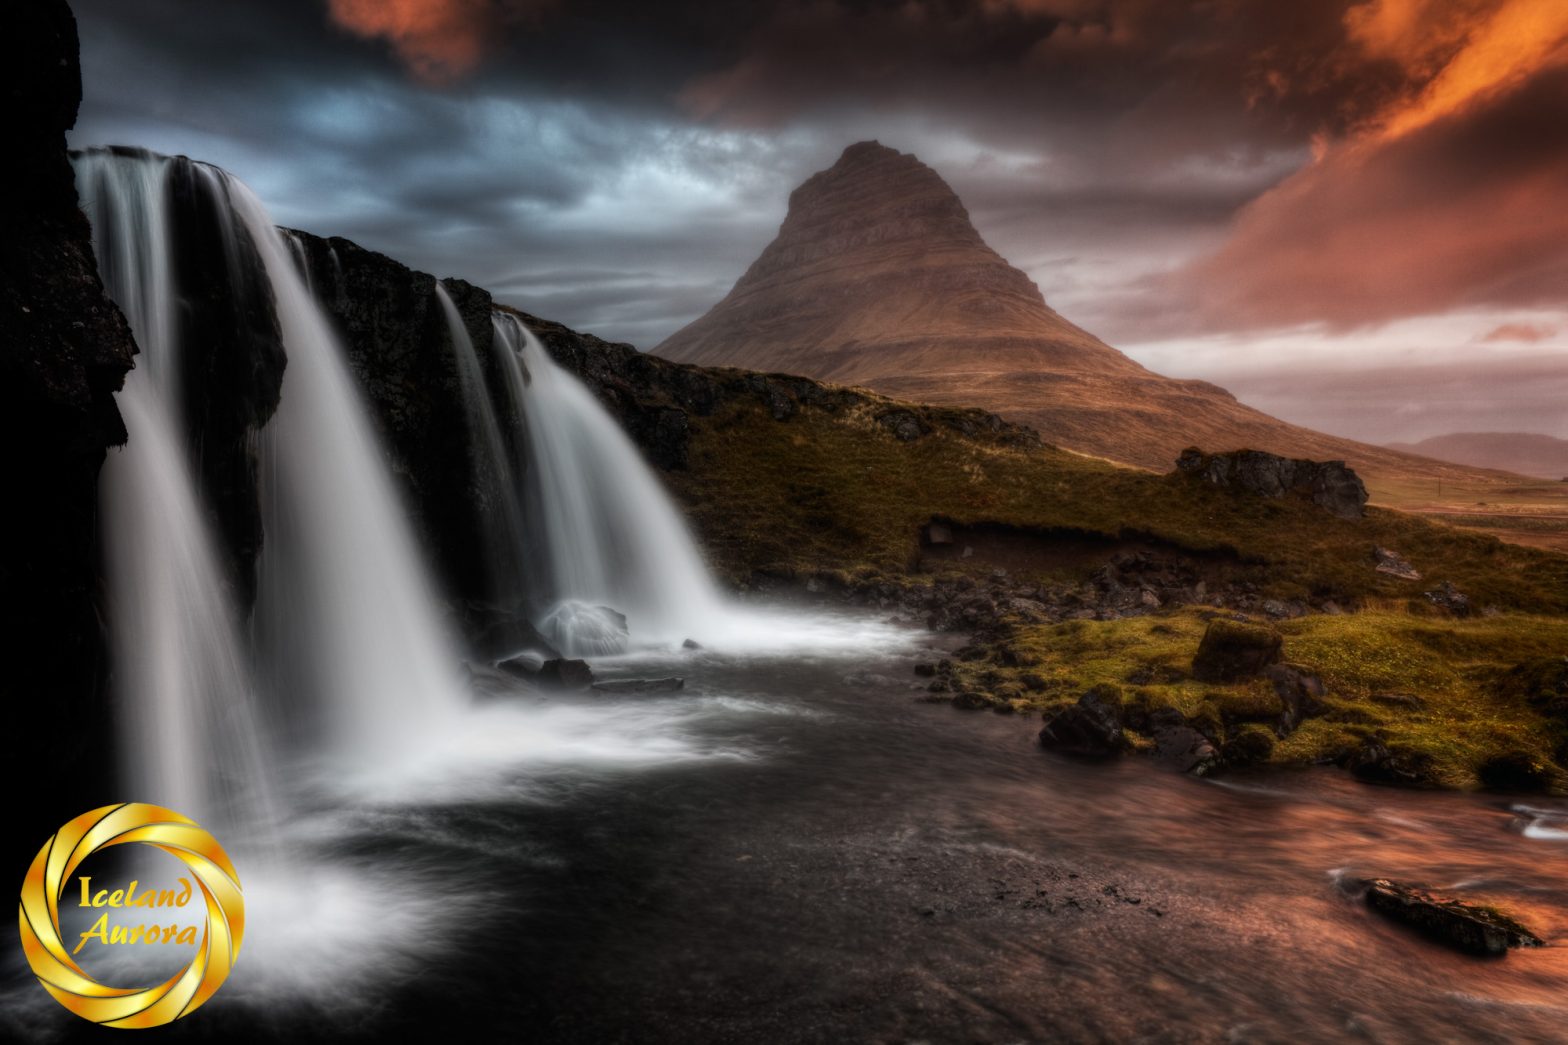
<point x="878" y="278"/>
<point x="1528" y="453"/>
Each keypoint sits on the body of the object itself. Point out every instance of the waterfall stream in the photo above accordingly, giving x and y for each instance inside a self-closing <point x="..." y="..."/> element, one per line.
<point x="614" y="544"/>
<point x="181" y="672"/>
<point x="345" y="617"/>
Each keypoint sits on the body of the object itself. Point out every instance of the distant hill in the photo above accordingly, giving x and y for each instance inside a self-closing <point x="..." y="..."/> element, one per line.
<point x="1527" y="453"/>
<point x="878" y="278"/>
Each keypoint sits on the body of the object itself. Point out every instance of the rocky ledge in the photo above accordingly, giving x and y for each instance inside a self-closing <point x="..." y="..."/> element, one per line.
<point x="1330" y="485"/>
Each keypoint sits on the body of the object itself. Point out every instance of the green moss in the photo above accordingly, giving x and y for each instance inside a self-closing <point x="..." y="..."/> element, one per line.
<point x="1465" y="717"/>
<point x="835" y="491"/>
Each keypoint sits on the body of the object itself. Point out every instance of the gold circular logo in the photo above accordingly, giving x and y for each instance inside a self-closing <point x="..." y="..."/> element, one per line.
<point x="162" y="829"/>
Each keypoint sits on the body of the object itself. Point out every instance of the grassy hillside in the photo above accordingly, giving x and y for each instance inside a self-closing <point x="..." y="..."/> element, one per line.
<point x="838" y="491"/>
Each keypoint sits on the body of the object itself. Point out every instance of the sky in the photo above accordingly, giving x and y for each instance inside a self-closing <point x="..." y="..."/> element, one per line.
<point x="1351" y="213"/>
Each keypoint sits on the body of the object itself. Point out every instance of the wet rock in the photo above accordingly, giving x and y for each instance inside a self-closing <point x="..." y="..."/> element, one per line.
<point x="1090" y="727"/>
<point x="665" y="685"/>
<point x="1392" y="563"/>
<point x="925" y="669"/>
<point x="972" y="700"/>
<point x="691" y="644"/>
<point x="1447" y="597"/>
<point x="1376" y="763"/>
<point x="1300" y="694"/>
<point x="1519" y="771"/>
<point x="1184" y="748"/>
<point x="523" y="666"/>
<point x="1328" y="484"/>
<point x="562" y="673"/>
<point x="1231" y="651"/>
<point x="1467" y="927"/>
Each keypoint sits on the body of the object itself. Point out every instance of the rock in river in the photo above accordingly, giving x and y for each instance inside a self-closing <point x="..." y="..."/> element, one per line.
<point x="565" y="674"/>
<point x="1092" y="726"/>
<point x="1464" y="926"/>
<point x="667" y="685"/>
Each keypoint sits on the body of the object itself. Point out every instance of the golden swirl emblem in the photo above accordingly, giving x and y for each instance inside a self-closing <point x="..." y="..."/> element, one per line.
<point x="162" y="829"/>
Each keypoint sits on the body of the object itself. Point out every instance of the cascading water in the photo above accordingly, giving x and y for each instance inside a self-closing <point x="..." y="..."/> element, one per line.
<point x="345" y="621"/>
<point x="182" y="677"/>
<point x="613" y="541"/>
<point x="344" y="596"/>
<point x="494" y="488"/>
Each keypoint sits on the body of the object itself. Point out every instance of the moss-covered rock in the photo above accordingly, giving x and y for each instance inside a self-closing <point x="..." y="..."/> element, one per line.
<point x="1249" y="745"/>
<point x="1233" y="650"/>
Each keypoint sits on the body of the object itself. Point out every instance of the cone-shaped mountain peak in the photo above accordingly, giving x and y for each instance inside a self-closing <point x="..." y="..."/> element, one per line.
<point x="876" y="257"/>
<point x="879" y="278"/>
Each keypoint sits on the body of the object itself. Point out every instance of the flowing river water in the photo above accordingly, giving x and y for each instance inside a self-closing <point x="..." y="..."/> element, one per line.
<point x="795" y="848"/>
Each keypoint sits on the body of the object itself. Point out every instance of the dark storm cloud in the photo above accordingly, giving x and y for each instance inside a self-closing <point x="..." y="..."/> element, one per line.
<point x="1160" y="167"/>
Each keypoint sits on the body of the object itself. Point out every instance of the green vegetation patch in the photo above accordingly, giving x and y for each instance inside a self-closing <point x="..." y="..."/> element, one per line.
<point x="1447" y="694"/>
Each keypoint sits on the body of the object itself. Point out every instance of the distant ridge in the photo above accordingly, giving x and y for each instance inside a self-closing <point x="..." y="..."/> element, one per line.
<point x="878" y="278"/>
<point x="1527" y="453"/>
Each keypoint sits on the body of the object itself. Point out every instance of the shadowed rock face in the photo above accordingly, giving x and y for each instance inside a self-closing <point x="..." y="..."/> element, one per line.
<point x="1328" y="484"/>
<point x="64" y="351"/>
<point x="878" y="278"/>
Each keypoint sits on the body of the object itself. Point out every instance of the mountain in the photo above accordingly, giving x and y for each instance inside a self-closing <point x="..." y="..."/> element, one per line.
<point x="1527" y="453"/>
<point x="878" y="278"/>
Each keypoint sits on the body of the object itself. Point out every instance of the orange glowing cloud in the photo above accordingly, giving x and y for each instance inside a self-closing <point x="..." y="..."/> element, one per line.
<point x="439" y="40"/>
<point x="1462" y="50"/>
<point x="1449" y="189"/>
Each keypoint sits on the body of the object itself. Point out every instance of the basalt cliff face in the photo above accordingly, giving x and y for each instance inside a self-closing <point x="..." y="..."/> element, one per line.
<point x="878" y="278"/>
<point x="64" y="351"/>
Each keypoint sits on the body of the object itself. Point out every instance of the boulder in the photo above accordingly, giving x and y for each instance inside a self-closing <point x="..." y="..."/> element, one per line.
<point x="1392" y="563"/>
<point x="665" y="685"/>
<point x="1447" y="597"/>
<point x="691" y="644"/>
<point x="1090" y="727"/>
<point x="1184" y="748"/>
<point x="522" y="666"/>
<point x="1468" y="927"/>
<point x="1300" y="695"/>
<point x="1330" y="485"/>
<point x="1231" y="651"/>
<point x="562" y="673"/>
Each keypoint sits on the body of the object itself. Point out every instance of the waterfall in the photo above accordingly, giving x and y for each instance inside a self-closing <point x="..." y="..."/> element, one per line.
<point x="613" y="543"/>
<point x="345" y="597"/>
<point x="181" y="674"/>
<point x="494" y="482"/>
<point x="345" y="626"/>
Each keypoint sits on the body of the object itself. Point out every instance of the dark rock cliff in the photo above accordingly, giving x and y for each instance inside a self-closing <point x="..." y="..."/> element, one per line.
<point x="64" y="351"/>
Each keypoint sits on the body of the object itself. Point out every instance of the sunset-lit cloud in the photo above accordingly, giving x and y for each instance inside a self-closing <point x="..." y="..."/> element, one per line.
<point x="439" y="40"/>
<point x="1452" y="191"/>
<point x="1228" y="181"/>
<point x="1463" y="50"/>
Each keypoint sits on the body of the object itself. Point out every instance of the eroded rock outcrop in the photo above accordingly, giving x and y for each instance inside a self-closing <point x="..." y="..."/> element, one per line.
<point x="64" y="351"/>
<point x="1328" y="484"/>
